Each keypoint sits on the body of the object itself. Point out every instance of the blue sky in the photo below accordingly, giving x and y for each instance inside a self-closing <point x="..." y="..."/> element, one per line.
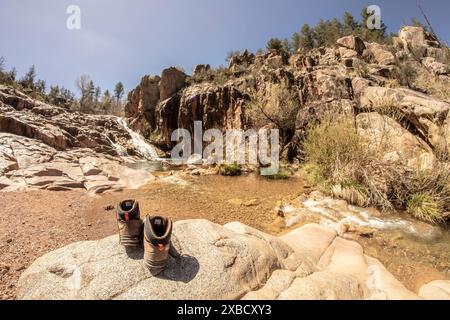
<point x="124" y="40"/>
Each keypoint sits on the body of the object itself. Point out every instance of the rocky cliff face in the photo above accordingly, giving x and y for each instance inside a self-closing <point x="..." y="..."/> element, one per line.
<point x="350" y="77"/>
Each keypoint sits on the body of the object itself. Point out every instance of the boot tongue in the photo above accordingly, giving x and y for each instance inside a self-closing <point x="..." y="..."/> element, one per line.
<point x="160" y="247"/>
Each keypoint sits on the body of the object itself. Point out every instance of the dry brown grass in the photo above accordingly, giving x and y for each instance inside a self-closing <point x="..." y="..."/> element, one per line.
<point x="434" y="85"/>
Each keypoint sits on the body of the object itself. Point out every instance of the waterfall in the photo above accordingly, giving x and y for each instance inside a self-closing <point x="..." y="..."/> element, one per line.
<point x="139" y="143"/>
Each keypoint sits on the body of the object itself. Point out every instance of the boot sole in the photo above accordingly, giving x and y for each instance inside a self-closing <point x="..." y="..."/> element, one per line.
<point x="130" y="241"/>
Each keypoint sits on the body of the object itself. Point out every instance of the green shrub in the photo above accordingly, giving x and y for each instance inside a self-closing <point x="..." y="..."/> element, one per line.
<point x="424" y="194"/>
<point x="282" y="174"/>
<point x="333" y="145"/>
<point x="313" y="174"/>
<point x="230" y="169"/>
<point x="425" y="207"/>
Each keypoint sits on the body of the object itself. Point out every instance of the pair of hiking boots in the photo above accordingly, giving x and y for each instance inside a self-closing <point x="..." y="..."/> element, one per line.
<point x="155" y="232"/>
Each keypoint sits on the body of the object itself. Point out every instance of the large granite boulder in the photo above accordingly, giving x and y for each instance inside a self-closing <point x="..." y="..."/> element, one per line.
<point x="341" y="271"/>
<point x="436" y="290"/>
<point x="353" y="43"/>
<point x="394" y="143"/>
<point x="381" y="54"/>
<point x="417" y="41"/>
<point x="435" y="66"/>
<point x="424" y="112"/>
<point x="209" y="262"/>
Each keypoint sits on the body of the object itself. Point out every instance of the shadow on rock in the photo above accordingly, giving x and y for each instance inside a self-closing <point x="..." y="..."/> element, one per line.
<point x="180" y="267"/>
<point x="135" y="253"/>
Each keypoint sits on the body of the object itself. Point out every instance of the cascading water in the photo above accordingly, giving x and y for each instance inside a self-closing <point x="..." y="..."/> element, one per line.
<point x="142" y="147"/>
<point x="335" y="214"/>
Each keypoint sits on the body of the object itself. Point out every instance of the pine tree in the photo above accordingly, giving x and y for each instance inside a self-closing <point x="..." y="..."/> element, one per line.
<point x="350" y="25"/>
<point x="106" y="103"/>
<point x="40" y="86"/>
<point x="286" y="46"/>
<point x="274" y="44"/>
<point x="27" y="82"/>
<point x="371" y="35"/>
<point x="54" y="96"/>
<point x="417" y="23"/>
<point x="118" y="91"/>
<point x="2" y="65"/>
<point x="67" y="98"/>
<point x="97" y="93"/>
<point x="326" y="32"/>
<point x="295" y="41"/>
<point x="231" y="54"/>
<point x="260" y="52"/>
<point x="307" y="37"/>
<point x="13" y="74"/>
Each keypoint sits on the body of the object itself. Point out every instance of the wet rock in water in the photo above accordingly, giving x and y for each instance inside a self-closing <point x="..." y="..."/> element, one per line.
<point x="344" y="218"/>
<point x="427" y="232"/>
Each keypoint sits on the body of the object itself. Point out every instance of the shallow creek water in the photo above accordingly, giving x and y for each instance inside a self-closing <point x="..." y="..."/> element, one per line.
<point x="413" y="251"/>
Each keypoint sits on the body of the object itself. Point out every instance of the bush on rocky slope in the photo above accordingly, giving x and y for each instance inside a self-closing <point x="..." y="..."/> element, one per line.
<point x="341" y="163"/>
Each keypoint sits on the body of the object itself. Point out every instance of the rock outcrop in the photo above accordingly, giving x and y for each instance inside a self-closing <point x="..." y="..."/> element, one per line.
<point x="58" y="128"/>
<point x="47" y="147"/>
<point x="347" y="78"/>
<point x="393" y="143"/>
<point x="142" y="106"/>
<point x="353" y="43"/>
<point x="418" y="42"/>
<point x="27" y="164"/>
<point x="217" y="106"/>
<point x="424" y="114"/>
<point x="209" y="261"/>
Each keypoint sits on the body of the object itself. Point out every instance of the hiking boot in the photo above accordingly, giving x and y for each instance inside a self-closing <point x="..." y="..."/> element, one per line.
<point x="130" y="223"/>
<point x="157" y="233"/>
